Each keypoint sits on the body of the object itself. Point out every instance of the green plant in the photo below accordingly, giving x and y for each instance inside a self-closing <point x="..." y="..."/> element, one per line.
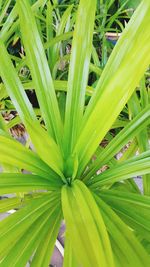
<point x="131" y="3"/>
<point x="107" y="219"/>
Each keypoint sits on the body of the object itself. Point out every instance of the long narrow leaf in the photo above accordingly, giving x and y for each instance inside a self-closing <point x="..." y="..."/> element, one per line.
<point x="69" y="258"/>
<point x="44" y="253"/>
<point x="117" y="83"/>
<point x="132" y="208"/>
<point x="8" y="204"/>
<point x="46" y="147"/>
<point x="123" y="237"/>
<point x="128" y="169"/>
<point x="81" y="214"/>
<point x="24" y="248"/>
<point x="18" y="182"/>
<point x="142" y="137"/>
<point x="60" y="30"/>
<point x="40" y="71"/>
<point x="78" y="72"/>
<point x="130" y="131"/>
<point x="14" y="87"/>
<point x="15" y="225"/>
<point x="19" y="156"/>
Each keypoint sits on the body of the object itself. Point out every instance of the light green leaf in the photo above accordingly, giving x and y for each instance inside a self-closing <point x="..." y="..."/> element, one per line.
<point x="44" y="253"/>
<point x="142" y="137"/>
<point x="49" y="30"/>
<point x="40" y="71"/>
<point x="78" y="72"/>
<point x="4" y="9"/>
<point x="5" y="31"/>
<point x="13" y="122"/>
<point x="116" y="83"/>
<point x="132" y="208"/>
<point x="3" y="92"/>
<point x="19" y="156"/>
<point x="85" y="227"/>
<point x="128" y="169"/>
<point x="46" y="147"/>
<point x="8" y="204"/>
<point x="69" y="258"/>
<point x="59" y="85"/>
<point x="22" y="250"/>
<point x="14" y="87"/>
<point x="14" y="226"/>
<point x="130" y="4"/>
<point x="3" y="125"/>
<point x="127" y="249"/>
<point x="62" y="37"/>
<point x="124" y="136"/>
<point x="29" y="241"/>
<point x="18" y="182"/>
<point x="12" y="22"/>
<point x="61" y="27"/>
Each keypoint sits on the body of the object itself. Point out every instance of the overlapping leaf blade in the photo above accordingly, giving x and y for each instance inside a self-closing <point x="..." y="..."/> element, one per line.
<point x="40" y="71"/>
<point x="127" y="250"/>
<point x="28" y="241"/>
<point x="132" y="208"/>
<point x="43" y="253"/>
<point x="8" y="204"/>
<point x="81" y="214"/>
<point x="18" y="155"/>
<point x="24" y="108"/>
<point x="14" y="86"/>
<point x="69" y="258"/>
<point x="61" y="27"/>
<point x="128" y="169"/>
<point x="12" y="22"/>
<point x="78" y="72"/>
<point x="130" y="131"/>
<point x="46" y="147"/>
<point x="117" y="83"/>
<point x="26" y="244"/>
<point x="142" y="137"/>
<point x="18" y="182"/>
<point x="16" y="224"/>
<point x="86" y="225"/>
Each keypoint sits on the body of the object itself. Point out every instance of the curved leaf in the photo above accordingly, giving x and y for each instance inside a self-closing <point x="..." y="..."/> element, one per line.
<point x="18" y="182"/>
<point x="55" y="50"/>
<point x="134" y="209"/>
<point x="78" y="72"/>
<point x="127" y="249"/>
<point x="18" y="155"/>
<point x="46" y="147"/>
<point x="91" y="247"/>
<point x="69" y="258"/>
<point x="28" y="242"/>
<point x="43" y="253"/>
<point x="128" y="169"/>
<point x="124" y="136"/>
<point x="14" y="226"/>
<point x="14" y="86"/>
<point x="10" y="203"/>
<point x="40" y="71"/>
<point x="117" y="83"/>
